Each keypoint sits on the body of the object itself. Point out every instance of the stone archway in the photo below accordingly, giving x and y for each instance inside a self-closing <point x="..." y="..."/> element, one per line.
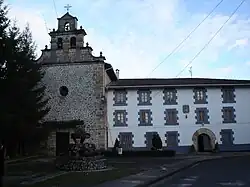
<point x="200" y="132"/>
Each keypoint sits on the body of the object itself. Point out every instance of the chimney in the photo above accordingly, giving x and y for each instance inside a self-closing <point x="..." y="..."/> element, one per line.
<point x="117" y="73"/>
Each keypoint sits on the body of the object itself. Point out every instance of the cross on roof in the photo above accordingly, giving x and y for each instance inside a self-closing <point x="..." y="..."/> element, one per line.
<point x="67" y="7"/>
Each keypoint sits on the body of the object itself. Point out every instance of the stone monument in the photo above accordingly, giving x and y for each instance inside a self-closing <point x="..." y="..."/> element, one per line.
<point x="82" y="156"/>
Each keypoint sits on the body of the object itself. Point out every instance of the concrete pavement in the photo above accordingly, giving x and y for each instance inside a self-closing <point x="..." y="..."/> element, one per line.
<point x="154" y="175"/>
<point x="221" y="172"/>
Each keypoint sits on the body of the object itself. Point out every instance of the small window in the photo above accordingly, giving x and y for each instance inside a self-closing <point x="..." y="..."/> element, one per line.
<point x="200" y="96"/>
<point x="145" y="118"/>
<point x="171" y="117"/>
<point x="67" y="26"/>
<point x="63" y="91"/>
<point x="170" y="96"/>
<point x="73" y="42"/>
<point x="172" y="138"/>
<point x="120" y="98"/>
<point x="59" y="43"/>
<point x="120" y="118"/>
<point x="144" y="97"/>
<point x="202" y="116"/>
<point x="228" y="95"/>
<point x="228" y="115"/>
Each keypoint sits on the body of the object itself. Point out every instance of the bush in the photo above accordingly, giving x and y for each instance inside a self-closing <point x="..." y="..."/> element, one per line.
<point x="165" y="153"/>
<point x="156" y="142"/>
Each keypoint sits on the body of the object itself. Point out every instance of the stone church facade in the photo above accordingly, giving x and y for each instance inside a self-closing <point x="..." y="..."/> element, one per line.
<point x="75" y="84"/>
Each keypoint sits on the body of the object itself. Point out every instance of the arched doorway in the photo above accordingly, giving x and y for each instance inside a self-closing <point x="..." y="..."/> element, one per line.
<point x="204" y="143"/>
<point x="204" y="140"/>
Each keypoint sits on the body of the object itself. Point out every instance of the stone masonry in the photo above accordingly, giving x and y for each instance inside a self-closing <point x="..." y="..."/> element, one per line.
<point x="85" y="78"/>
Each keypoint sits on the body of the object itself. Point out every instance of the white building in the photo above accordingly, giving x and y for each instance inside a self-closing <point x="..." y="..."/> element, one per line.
<point x="184" y="112"/>
<point x="81" y="86"/>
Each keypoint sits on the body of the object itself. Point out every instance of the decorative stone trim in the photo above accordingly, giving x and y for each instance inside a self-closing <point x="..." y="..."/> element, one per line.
<point x="226" y="111"/>
<point x="171" y="117"/>
<point x="172" y="138"/>
<point x="228" y="95"/>
<point x="123" y="114"/>
<point x="170" y="97"/>
<point x="147" y="112"/>
<point x="120" y="98"/>
<point x="205" y="119"/>
<point x="227" y="137"/>
<point x="200" y="92"/>
<point x="140" y="99"/>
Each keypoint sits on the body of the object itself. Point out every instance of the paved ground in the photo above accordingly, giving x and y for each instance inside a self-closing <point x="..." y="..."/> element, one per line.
<point x="223" y="172"/>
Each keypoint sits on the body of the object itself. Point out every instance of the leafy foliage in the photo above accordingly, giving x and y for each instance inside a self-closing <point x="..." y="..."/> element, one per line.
<point x="156" y="142"/>
<point x="22" y="97"/>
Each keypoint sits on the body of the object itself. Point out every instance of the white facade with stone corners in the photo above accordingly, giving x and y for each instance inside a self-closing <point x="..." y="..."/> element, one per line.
<point x="187" y="126"/>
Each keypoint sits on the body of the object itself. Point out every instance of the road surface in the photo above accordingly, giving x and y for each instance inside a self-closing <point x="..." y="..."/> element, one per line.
<point x="223" y="172"/>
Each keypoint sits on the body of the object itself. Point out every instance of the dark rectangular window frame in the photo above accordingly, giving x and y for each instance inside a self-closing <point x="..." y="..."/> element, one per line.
<point x="148" y="95"/>
<point x="205" y="117"/>
<point x="167" y="101"/>
<point x="124" y="95"/>
<point x="171" y="111"/>
<point x="204" y="92"/>
<point x="228" y="95"/>
<point x="172" y="134"/>
<point x="149" y="112"/>
<point x="116" y="121"/>
<point x="225" y="116"/>
<point x="227" y="132"/>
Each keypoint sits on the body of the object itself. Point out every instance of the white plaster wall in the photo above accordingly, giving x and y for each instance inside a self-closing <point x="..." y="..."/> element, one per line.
<point x="187" y="126"/>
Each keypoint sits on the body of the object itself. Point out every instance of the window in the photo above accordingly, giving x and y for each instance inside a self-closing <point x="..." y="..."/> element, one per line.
<point x="202" y="116"/>
<point x="170" y="96"/>
<point x="145" y="118"/>
<point x="228" y="95"/>
<point x="171" y="117"/>
<point x="227" y="137"/>
<point x="172" y="139"/>
<point x="200" y="96"/>
<point x="120" y="98"/>
<point x="73" y="42"/>
<point x="67" y="27"/>
<point x="120" y="118"/>
<point x="63" y="91"/>
<point x="228" y="115"/>
<point x="144" y="97"/>
<point x="59" y="43"/>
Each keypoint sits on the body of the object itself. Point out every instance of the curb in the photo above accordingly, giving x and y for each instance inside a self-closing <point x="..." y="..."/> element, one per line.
<point x="184" y="168"/>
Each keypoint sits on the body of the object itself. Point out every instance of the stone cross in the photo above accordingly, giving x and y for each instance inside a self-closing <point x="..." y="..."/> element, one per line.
<point x="67" y="7"/>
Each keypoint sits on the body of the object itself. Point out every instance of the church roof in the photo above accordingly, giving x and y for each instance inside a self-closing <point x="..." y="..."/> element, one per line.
<point x="176" y="82"/>
<point x="67" y="16"/>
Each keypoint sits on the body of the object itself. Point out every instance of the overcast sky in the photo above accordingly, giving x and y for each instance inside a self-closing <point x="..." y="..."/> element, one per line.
<point x="136" y="35"/>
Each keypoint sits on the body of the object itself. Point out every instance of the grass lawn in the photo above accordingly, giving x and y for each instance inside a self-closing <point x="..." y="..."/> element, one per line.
<point x="88" y="179"/>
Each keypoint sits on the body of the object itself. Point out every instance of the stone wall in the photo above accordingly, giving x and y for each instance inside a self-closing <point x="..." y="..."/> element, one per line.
<point x="85" y="83"/>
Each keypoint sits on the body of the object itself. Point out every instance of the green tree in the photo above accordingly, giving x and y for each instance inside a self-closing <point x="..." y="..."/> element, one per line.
<point x="22" y="100"/>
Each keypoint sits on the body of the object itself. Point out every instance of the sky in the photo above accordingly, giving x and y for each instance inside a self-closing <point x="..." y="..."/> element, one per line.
<point x="136" y="36"/>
